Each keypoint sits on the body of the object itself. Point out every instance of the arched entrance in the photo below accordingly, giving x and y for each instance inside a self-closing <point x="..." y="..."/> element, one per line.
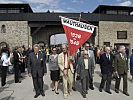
<point x="58" y="38"/>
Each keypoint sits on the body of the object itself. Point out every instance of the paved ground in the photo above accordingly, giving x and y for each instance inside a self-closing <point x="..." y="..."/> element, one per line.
<point x="24" y="90"/>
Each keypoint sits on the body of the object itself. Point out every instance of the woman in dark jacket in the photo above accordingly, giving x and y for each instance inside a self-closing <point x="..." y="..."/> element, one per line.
<point x="16" y="56"/>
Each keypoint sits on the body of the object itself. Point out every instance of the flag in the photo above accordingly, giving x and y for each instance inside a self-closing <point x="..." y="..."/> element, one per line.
<point x="76" y="32"/>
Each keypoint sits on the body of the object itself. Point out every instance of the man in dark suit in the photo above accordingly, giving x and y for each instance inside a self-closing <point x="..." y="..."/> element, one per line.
<point x="36" y="69"/>
<point x="85" y="70"/>
<point x="106" y="60"/>
<point x="121" y="69"/>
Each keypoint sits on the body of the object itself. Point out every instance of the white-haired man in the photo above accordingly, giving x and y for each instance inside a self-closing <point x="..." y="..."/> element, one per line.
<point x="66" y="67"/>
<point x="106" y="61"/>
<point x="121" y="69"/>
<point x="36" y="69"/>
<point x="85" y="70"/>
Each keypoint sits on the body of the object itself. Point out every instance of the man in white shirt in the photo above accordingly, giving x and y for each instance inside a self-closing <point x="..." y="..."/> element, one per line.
<point x="85" y="71"/>
<point x="91" y="55"/>
<point x="65" y="64"/>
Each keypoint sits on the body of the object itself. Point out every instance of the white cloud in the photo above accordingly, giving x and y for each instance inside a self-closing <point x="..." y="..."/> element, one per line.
<point x="50" y="3"/>
<point x="11" y="1"/>
<point x="45" y="5"/>
<point x="42" y="8"/>
<point x="125" y="3"/>
<point x="78" y="1"/>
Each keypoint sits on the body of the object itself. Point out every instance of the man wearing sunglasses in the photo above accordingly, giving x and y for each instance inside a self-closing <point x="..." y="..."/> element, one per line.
<point x="91" y="55"/>
<point x="85" y="70"/>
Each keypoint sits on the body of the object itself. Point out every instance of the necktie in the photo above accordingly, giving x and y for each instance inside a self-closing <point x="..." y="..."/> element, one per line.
<point x="108" y="56"/>
<point x="123" y="56"/>
<point x="36" y="55"/>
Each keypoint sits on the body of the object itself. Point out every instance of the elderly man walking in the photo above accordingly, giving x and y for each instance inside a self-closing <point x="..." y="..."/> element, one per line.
<point x="66" y="67"/>
<point x="91" y="55"/>
<point x="106" y="61"/>
<point x="85" y="70"/>
<point x="121" y="69"/>
<point x="36" y="69"/>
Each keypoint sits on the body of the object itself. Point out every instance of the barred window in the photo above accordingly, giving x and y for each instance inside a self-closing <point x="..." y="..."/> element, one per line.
<point x="121" y="34"/>
<point x="3" y="29"/>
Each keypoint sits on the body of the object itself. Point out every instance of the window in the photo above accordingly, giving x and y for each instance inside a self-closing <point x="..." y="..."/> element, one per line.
<point x="106" y="43"/>
<point x="10" y="10"/>
<point x="3" y="10"/>
<point x="13" y="10"/>
<point x="123" y="12"/>
<point x="3" y="29"/>
<point x="121" y="34"/>
<point x="111" y="12"/>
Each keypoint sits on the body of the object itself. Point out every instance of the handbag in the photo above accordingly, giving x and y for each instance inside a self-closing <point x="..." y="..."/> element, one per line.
<point x="78" y="78"/>
<point x="1" y="63"/>
<point x="12" y="60"/>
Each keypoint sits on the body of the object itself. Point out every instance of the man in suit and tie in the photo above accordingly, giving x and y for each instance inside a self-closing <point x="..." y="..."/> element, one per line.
<point x="65" y="64"/>
<point x="121" y="69"/>
<point x="106" y="61"/>
<point x="85" y="70"/>
<point x="91" y="55"/>
<point x="36" y="69"/>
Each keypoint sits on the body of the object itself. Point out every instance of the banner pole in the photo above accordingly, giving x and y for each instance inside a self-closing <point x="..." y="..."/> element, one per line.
<point x="79" y="20"/>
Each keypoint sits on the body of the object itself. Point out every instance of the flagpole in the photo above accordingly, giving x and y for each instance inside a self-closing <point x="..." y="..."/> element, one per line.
<point x="79" y="20"/>
<point x="80" y="17"/>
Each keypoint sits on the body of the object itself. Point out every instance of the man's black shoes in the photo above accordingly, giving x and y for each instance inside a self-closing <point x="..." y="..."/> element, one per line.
<point x="42" y="93"/>
<point x="126" y="93"/>
<point x="74" y="89"/>
<point x="84" y="95"/>
<point x="36" y="95"/>
<point x="116" y="90"/>
<point x="109" y="92"/>
<point x="100" y="89"/>
<point x="92" y="88"/>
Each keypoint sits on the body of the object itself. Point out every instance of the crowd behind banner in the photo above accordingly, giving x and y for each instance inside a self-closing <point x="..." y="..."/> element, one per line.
<point x="114" y="64"/>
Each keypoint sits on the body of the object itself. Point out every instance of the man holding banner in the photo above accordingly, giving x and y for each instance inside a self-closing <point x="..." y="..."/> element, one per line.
<point x="77" y="34"/>
<point x="66" y="67"/>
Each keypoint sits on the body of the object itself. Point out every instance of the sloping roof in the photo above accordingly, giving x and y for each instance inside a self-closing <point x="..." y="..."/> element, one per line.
<point x="26" y="6"/>
<point x="111" y="7"/>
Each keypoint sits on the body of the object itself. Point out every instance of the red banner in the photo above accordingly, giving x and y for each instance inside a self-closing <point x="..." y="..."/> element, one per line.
<point x="76" y="32"/>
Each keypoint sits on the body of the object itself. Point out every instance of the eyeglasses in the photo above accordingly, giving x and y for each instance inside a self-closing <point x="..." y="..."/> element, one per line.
<point x="87" y="46"/>
<point x="85" y="54"/>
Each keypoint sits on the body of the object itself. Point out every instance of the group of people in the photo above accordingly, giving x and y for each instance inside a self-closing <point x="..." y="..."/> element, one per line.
<point x="80" y="66"/>
<point x="16" y="58"/>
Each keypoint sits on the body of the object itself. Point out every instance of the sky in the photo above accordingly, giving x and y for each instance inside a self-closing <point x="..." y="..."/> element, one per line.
<point x="68" y="6"/>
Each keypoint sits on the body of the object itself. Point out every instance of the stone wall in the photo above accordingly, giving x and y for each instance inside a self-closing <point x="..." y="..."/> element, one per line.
<point x="108" y="32"/>
<point x="17" y="33"/>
